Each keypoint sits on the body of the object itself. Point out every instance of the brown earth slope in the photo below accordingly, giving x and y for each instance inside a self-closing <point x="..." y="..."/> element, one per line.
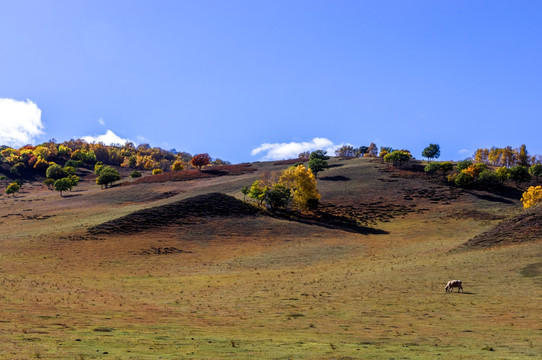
<point x="524" y="227"/>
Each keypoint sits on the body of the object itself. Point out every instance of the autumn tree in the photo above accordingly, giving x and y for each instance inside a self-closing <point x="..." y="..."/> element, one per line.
<point x="372" y="150"/>
<point x="13" y="188"/>
<point x="481" y="156"/>
<point x="177" y="166"/>
<point x="345" y="152"/>
<point x="200" y="160"/>
<point x="302" y="183"/>
<point x="304" y="155"/>
<point x="536" y="171"/>
<point x="532" y="196"/>
<point x="522" y="156"/>
<point x="257" y="191"/>
<point x="398" y="157"/>
<point x="384" y="150"/>
<point x="431" y="152"/>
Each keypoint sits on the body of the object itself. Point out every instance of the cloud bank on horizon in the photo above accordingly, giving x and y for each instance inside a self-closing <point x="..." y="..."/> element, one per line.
<point x="20" y="122"/>
<point x="280" y="151"/>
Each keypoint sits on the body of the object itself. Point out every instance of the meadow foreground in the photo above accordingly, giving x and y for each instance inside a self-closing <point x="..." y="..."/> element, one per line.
<point x="254" y="286"/>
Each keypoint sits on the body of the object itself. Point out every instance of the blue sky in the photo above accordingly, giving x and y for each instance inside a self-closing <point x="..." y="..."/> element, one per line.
<point x="228" y="77"/>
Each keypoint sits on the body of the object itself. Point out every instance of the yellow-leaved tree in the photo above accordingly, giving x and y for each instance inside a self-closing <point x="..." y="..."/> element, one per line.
<point x="302" y="183"/>
<point x="532" y="196"/>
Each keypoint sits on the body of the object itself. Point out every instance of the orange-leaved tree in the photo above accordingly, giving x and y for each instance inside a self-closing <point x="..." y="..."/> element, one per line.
<point x="302" y="183"/>
<point x="200" y="160"/>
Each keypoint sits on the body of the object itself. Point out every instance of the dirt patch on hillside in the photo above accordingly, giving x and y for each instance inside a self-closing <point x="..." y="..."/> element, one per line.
<point x="184" y="211"/>
<point x="522" y="228"/>
<point x="475" y="215"/>
<point x="186" y="175"/>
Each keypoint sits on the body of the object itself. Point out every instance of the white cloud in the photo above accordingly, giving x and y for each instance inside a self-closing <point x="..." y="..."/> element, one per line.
<point x="109" y="138"/>
<point x="464" y="151"/>
<point x="101" y="121"/>
<point x="279" y="151"/>
<point x="20" y="122"/>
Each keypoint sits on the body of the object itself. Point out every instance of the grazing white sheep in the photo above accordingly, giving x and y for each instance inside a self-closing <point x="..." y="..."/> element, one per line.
<point x="454" y="283"/>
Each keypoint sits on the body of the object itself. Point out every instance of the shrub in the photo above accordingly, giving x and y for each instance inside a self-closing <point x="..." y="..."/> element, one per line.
<point x="502" y="174"/>
<point x="13" y="188"/>
<point x="432" y="168"/>
<point x="107" y="176"/>
<point x="446" y="167"/>
<point x="463" y="179"/>
<point x="55" y="171"/>
<point x="135" y="174"/>
<point x="536" y="170"/>
<point x="532" y="196"/>
<point x="462" y="165"/>
<point x="488" y="178"/>
<point x="277" y="197"/>
<point x="519" y="174"/>
<point x="157" y="171"/>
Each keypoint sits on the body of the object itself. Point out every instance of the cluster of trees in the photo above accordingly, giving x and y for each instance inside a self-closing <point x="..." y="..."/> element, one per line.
<point x="34" y="160"/>
<point x="507" y="157"/>
<point x="294" y="188"/>
<point x="467" y="173"/>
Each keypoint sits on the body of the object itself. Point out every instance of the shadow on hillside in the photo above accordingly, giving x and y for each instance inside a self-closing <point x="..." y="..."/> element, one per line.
<point x="335" y="165"/>
<point x="213" y="205"/>
<point x="492" y="198"/>
<point x="328" y="221"/>
<point x="335" y="178"/>
<point x="70" y="195"/>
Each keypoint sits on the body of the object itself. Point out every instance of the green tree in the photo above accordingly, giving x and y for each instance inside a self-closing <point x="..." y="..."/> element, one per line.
<point x="361" y="151"/>
<point x="462" y="165"/>
<point x="503" y="174"/>
<point x="318" y="161"/>
<point x="432" y="168"/>
<point x="488" y="178"/>
<point x="536" y="171"/>
<point x="245" y="190"/>
<point x="431" y="152"/>
<point x="277" y="197"/>
<point x="49" y="183"/>
<point x="464" y="179"/>
<point x="519" y="174"/>
<point x="13" y="188"/>
<point x="318" y="154"/>
<point x="107" y="176"/>
<point x="135" y="174"/>
<point x="74" y="181"/>
<point x="55" y="171"/>
<point x="63" y="184"/>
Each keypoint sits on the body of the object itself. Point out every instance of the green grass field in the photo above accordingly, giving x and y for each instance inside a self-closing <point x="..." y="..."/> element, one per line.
<point x="260" y="287"/>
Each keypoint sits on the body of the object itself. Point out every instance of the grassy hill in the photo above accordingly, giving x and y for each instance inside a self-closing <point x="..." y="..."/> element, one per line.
<point x="186" y="269"/>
